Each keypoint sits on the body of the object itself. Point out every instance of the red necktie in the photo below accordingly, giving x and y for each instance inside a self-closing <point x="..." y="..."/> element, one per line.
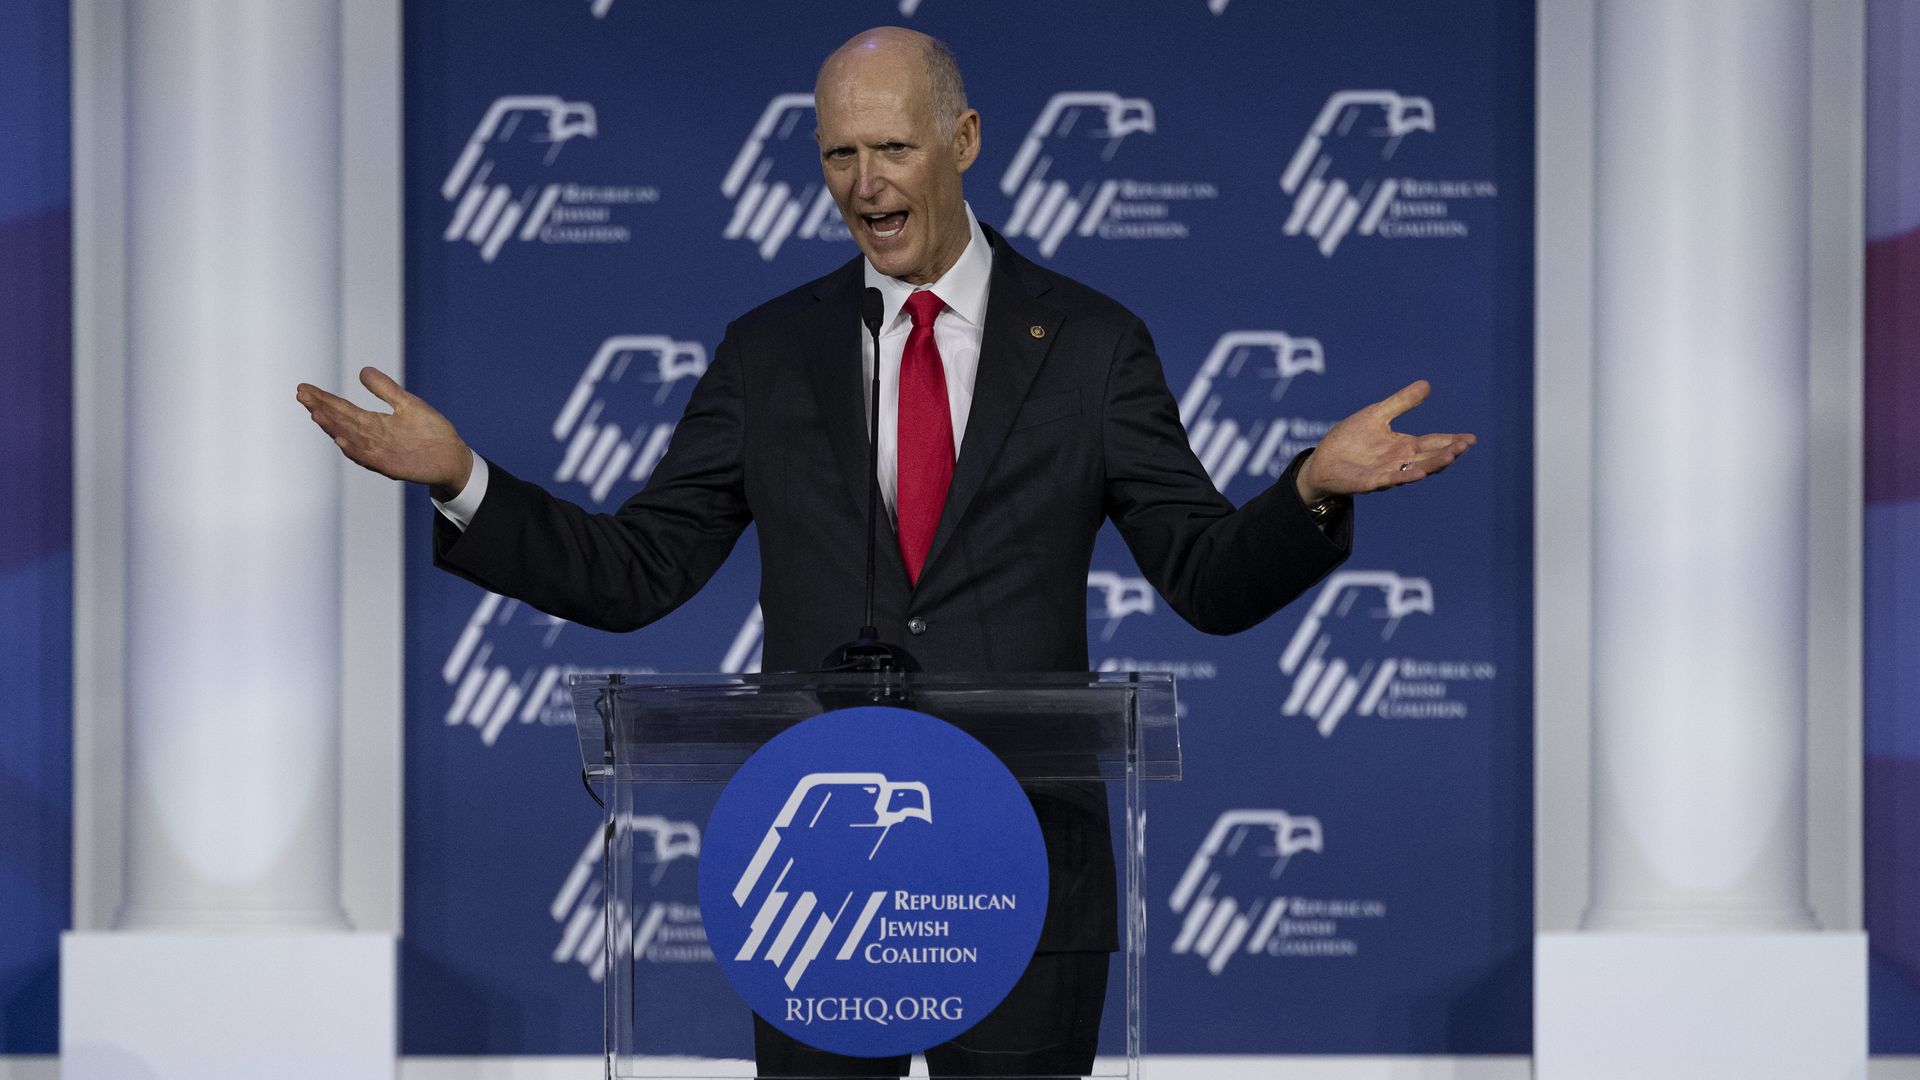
<point x="925" y="450"/>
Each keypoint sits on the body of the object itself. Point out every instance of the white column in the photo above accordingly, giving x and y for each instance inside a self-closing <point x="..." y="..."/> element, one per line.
<point x="233" y="504"/>
<point x="1700" y="466"/>
<point x="231" y="955"/>
<point x="1697" y="958"/>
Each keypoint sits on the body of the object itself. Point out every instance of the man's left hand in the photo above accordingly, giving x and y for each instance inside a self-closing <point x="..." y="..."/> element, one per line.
<point x="1363" y="453"/>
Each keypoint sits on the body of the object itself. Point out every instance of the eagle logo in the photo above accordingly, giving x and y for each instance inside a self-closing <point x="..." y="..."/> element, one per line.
<point x="519" y="135"/>
<point x="490" y="690"/>
<point x="1256" y="446"/>
<point x="616" y="423"/>
<point x="578" y="908"/>
<point x="1225" y="899"/>
<point x="775" y="181"/>
<point x="813" y="822"/>
<point x="1119" y="597"/>
<point x="1077" y="133"/>
<point x="1333" y="176"/>
<point x="1362" y="608"/>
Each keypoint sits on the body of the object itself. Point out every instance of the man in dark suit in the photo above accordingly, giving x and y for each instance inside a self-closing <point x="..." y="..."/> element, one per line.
<point x="1019" y="411"/>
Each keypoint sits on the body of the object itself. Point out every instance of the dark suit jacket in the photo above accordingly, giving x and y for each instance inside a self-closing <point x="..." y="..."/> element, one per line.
<point x="1071" y="425"/>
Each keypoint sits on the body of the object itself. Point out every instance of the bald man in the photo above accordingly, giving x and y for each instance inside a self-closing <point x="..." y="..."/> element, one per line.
<point x="1019" y="411"/>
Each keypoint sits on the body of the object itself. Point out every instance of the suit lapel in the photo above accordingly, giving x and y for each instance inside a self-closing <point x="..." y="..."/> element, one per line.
<point x="1010" y="355"/>
<point x="834" y="338"/>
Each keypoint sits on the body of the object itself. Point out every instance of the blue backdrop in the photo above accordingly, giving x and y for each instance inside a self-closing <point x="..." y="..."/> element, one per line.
<point x="1311" y="205"/>
<point x="1891" y="733"/>
<point x="36" y="522"/>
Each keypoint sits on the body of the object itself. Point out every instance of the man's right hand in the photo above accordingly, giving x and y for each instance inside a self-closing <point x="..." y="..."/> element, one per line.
<point x="413" y="442"/>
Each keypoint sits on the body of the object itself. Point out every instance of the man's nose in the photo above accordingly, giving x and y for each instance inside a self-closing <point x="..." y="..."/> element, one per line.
<point x="867" y="181"/>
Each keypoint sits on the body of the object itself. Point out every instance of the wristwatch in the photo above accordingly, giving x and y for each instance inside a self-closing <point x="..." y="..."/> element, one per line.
<point x="1322" y="511"/>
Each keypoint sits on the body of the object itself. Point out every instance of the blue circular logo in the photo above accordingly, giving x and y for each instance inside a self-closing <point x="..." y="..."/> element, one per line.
<point x="873" y="881"/>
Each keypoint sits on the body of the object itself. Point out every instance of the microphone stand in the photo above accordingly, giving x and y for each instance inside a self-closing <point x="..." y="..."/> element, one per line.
<point x="867" y="653"/>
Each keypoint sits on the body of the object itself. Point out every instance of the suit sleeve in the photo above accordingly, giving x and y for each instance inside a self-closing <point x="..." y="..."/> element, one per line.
<point x="623" y="570"/>
<point x="1223" y="569"/>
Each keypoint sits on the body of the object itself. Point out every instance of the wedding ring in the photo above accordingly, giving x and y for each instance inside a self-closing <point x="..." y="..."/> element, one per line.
<point x="1404" y="464"/>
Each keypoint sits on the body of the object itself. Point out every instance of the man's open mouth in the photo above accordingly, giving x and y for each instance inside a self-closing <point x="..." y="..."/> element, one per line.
<point x="886" y="226"/>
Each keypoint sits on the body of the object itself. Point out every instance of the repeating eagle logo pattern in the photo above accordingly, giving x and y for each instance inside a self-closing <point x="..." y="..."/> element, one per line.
<point x="775" y="181"/>
<point x="1334" y="174"/>
<point x="1258" y="445"/>
<point x="1081" y="128"/>
<point x="813" y="821"/>
<point x="1361" y="608"/>
<point x="519" y="135"/>
<point x="612" y="428"/>
<point x="1225" y="898"/>
<point x="579" y="905"/>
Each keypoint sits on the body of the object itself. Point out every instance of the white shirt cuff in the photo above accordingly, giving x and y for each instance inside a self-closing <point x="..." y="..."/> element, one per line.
<point x="461" y="508"/>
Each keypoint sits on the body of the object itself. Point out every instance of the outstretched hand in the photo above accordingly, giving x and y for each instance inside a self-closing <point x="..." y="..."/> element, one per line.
<point x="413" y="442"/>
<point x="1363" y="453"/>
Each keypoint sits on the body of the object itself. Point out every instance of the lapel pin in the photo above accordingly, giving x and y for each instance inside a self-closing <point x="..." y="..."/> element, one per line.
<point x="1037" y="331"/>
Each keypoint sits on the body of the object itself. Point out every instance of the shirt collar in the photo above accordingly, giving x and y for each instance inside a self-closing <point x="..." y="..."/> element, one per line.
<point x="963" y="288"/>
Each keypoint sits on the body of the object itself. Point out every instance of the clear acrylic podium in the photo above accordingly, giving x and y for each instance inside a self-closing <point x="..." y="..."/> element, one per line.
<point x="661" y="747"/>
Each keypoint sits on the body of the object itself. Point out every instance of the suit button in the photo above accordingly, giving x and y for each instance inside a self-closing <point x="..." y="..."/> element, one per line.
<point x="916" y="625"/>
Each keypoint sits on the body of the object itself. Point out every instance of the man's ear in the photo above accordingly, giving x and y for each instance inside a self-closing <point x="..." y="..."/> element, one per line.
<point x="966" y="139"/>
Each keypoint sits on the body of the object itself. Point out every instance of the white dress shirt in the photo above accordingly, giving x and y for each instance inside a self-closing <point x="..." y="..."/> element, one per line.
<point x="957" y="332"/>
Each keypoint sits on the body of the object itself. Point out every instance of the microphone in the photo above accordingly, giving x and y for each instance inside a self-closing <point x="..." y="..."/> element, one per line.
<point x="867" y="652"/>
